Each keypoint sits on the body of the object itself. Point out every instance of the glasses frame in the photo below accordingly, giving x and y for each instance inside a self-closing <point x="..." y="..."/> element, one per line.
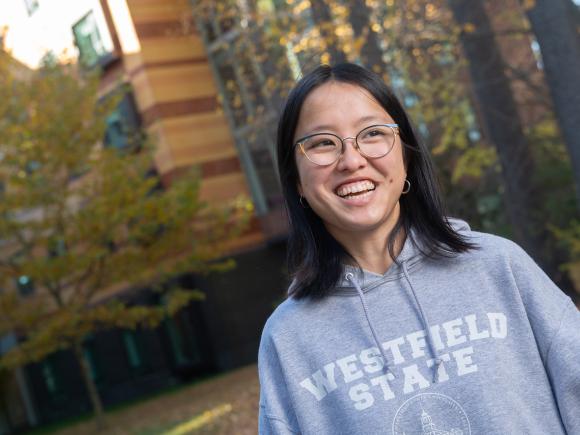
<point x="300" y="143"/>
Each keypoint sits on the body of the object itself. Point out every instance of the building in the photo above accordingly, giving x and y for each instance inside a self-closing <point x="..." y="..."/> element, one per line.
<point x="155" y="48"/>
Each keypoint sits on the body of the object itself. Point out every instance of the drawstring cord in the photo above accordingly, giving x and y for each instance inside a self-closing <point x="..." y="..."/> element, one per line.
<point x="350" y="277"/>
<point x="430" y="341"/>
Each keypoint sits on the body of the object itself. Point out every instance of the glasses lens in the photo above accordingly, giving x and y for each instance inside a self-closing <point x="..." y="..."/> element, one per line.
<point x="376" y="141"/>
<point x="322" y="149"/>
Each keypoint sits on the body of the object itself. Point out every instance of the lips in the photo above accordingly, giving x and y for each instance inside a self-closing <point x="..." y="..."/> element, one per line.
<point x="355" y="188"/>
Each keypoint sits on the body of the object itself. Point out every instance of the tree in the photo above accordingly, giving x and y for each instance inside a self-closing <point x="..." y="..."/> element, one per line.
<point x="80" y="222"/>
<point x="504" y="128"/>
<point x="365" y="37"/>
<point x="555" y="25"/>
<point x="322" y="15"/>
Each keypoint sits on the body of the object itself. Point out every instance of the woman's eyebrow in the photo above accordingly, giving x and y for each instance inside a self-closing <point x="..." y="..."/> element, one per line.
<point x="325" y="127"/>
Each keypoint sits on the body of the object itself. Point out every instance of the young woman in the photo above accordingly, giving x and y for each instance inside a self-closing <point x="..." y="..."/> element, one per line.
<point x="400" y="320"/>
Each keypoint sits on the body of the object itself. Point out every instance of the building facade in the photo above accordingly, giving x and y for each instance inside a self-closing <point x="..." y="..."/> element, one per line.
<point x="154" y="49"/>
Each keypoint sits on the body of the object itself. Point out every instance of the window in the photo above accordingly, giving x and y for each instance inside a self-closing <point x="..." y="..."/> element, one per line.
<point x="88" y="41"/>
<point x="123" y="124"/>
<point x="132" y="349"/>
<point x="90" y="358"/>
<point x="49" y="377"/>
<point x="25" y="285"/>
<point x="31" y="6"/>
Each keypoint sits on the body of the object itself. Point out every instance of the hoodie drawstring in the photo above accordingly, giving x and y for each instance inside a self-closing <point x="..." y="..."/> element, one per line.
<point x="350" y="277"/>
<point x="430" y="340"/>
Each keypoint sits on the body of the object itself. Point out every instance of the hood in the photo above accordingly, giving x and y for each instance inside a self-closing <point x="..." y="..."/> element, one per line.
<point x="356" y="281"/>
<point x="411" y="255"/>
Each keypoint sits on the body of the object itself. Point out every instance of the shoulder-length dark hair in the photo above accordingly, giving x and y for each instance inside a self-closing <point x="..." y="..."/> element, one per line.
<point x="315" y="258"/>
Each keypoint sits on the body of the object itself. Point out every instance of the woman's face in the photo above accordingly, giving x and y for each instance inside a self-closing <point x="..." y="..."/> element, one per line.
<point x="353" y="196"/>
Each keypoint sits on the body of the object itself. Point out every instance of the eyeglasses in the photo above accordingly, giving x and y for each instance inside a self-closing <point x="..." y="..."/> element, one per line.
<point x="372" y="142"/>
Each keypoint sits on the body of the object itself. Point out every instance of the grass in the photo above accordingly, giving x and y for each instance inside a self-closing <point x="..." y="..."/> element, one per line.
<point x="223" y="404"/>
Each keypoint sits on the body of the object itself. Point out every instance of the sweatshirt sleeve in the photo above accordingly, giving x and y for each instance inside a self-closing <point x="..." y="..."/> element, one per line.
<point x="276" y="410"/>
<point x="555" y="321"/>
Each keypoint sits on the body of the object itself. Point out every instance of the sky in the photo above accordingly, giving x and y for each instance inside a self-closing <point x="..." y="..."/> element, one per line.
<point x="49" y="28"/>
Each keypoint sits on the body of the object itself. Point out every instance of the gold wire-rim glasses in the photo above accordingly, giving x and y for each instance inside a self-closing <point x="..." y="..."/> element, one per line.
<point x="394" y="127"/>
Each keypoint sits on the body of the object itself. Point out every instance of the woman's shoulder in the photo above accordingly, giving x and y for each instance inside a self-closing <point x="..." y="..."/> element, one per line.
<point x="295" y="316"/>
<point x="489" y="246"/>
<point x="284" y="315"/>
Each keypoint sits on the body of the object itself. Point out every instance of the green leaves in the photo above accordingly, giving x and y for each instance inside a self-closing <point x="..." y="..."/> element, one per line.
<point x="87" y="223"/>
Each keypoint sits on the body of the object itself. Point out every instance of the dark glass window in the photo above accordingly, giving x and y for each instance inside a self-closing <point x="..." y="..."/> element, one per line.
<point x="25" y="285"/>
<point x="49" y="377"/>
<point x="31" y="6"/>
<point x="132" y="349"/>
<point x="123" y="124"/>
<point x="88" y="41"/>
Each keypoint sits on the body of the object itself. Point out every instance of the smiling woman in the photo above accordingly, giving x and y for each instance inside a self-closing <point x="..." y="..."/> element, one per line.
<point x="400" y="319"/>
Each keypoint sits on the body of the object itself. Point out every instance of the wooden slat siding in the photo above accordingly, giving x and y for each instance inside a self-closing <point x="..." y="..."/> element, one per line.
<point x="179" y="108"/>
<point x="211" y="169"/>
<point x="156" y="29"/>
<point x="166" y="63"/>
<point x="157" y="10"/>
<point x="176" y="83"/>
<point x="177" y="98"/>
<point x="220" y="167"/>
<point x="174" y="47"/>
<point x="223" y="187"/>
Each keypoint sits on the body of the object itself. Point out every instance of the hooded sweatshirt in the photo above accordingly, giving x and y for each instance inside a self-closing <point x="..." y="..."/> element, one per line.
<point x="480" y="343"/>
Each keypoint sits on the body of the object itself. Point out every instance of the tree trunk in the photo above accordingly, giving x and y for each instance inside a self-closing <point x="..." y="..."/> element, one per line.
<point x="371" y="53"/>
<point x="91" y="386"/>
<point x="323" y="18"/>
<point x="554" y="24"/>
<point x="504" y="129"/>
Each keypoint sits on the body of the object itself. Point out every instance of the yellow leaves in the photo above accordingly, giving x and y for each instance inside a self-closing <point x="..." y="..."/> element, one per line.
<point x="469" y="28"/>
<point x="301" y="7"/>
<point x="473" y="162"/>
<point x="430" y="11"/>
<point x="325" y="58"/>
<point x="528" y="4"/>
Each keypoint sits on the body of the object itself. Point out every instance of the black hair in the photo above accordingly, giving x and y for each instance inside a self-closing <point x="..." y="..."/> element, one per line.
<point x="315" y="257"/>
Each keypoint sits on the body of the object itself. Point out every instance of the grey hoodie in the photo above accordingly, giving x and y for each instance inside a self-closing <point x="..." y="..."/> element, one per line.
<point x="482" y="343"/>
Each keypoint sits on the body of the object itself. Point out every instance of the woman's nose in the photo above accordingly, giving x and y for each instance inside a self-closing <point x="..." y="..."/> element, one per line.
<point x="350" y="158"/>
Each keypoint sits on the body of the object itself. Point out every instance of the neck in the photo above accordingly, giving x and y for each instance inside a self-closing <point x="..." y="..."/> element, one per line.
<point x="370" y="250"/>
<point x="374" y="255"/>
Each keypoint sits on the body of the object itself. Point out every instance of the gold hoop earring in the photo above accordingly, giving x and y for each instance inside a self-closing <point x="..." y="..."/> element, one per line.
<point x="407" y="187"/>
<point x="301" y="201"/>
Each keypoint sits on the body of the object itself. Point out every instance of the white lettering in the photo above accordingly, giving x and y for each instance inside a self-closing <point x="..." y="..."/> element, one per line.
<point x="349" y="369"/>
<point x="436" y="334"/>
<point x="453" y="332"/>
<point x="442" y="375"/>
<point x="372" y="360"/>
<point x="464" y="362"/>
<point x="497" y="325"/>
<point x="383" y="382"/>
<point x="322" y="385"/>
<point x="393" y="346"/>
<point x="474" y="334"/>
<point x="413" y="377"/>
<point x="417" y="342"/>
<point x="359" y="394"/>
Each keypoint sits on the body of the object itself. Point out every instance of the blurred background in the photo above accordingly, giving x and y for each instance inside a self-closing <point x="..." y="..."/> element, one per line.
<point x="142" y="228"/>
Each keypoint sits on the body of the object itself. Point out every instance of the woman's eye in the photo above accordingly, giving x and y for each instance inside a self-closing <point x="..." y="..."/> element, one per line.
<point x="321" y="144"/>
<point x="373" y="133"/>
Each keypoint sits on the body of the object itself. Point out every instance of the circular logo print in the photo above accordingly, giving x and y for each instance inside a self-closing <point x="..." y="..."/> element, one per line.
<point x="431" y="414"/>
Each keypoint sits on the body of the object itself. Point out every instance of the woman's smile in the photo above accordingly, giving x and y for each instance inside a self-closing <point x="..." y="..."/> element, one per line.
<point x="355" y="194"/>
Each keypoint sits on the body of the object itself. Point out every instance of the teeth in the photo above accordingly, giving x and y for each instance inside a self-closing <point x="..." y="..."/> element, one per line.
<point x="355" y="188"/>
